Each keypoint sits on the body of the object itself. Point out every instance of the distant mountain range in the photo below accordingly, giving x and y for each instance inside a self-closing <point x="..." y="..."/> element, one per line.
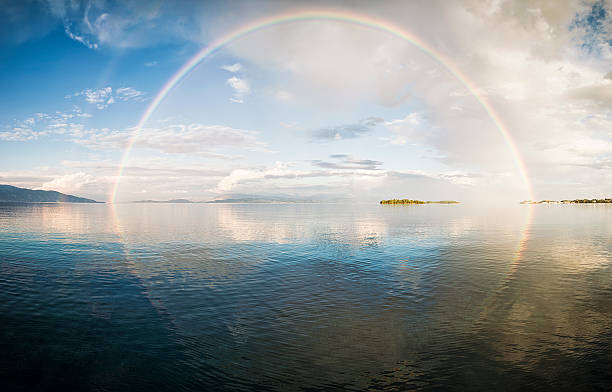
<point x="13" y="194"/>
<point x="250" y="198"/>
<point x="165" y="201"/>
<point x="220" y="201"/>
<point x="240" y="199"/>
<point x="259" y="200"/>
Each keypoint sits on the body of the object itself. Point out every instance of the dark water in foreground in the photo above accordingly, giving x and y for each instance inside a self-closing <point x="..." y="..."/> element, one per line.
<point x="305" y="297"/>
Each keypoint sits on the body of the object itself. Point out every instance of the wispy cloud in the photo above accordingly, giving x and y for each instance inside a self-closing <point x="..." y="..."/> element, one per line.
<point x="102" y="98"/>
<point x="233" y="68"/>
<point x="239" y="84"/>
<point x="124" y="25"/>
<point x="43" y="124"/>
<point x="21" y="134"/>
<point x="106" y="96"/>
<point x="346" y="162"/>
<point x="197" y="139"/>
<point x="129" y="94"/>
<point x="80" y="38"/>
<point x="241" y="88"/>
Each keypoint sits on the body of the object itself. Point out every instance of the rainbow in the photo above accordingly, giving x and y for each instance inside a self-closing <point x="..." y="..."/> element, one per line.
<point x="331" y="15"/>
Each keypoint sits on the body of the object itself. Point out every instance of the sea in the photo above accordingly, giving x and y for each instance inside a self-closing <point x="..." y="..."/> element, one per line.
<point x="305" y="297"/>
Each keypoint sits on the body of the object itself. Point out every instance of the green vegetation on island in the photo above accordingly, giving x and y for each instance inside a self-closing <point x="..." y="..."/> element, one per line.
<point x="13" y="194"/>
<point x="575" y="201"/>
<point x="409" y="201"/>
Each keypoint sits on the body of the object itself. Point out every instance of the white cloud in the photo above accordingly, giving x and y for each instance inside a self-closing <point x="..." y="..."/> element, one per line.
<point x="280" y="171"/>
<point x="21" y="134"/>
<point x="42" y="125"/>
<point x="234" y="68"/>
<point x="100" y="97"/>
<point x="69" y="183"/>
<point x="241" y="88"/>
<point x="129" y="94"/>
<point x="351" y="174"/>
<point x="106" y="96"/>
<point x="407" y="129"/>
<point x="240" y="85"/>
<point x="177" y="139"/>
<point x="161" y="176"/>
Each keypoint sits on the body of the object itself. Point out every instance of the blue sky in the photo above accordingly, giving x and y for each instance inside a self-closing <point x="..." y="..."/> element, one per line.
<point x="313" y="109"/>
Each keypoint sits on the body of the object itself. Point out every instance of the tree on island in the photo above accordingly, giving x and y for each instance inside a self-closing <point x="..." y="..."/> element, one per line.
<point x="410" y="201"/>
<point x="575" y="201"/>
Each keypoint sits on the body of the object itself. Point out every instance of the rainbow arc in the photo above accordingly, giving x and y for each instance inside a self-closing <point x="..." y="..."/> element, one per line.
<point x="331" y="15"/>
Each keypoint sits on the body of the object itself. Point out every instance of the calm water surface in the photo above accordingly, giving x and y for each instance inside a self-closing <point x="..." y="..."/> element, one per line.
<point x="305" y="297"/>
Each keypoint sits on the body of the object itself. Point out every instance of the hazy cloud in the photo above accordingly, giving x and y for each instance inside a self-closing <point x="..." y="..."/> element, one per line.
<point x="345" y="162"/>
<point x="281" y="171"/>
<point x="407" y="129"/>
<point x="349" y="131"/>
<point x="177" y="139"/>
<point x="69" y="183"/>
<point x="364" y="177"/>
<point x="599" y="94"/>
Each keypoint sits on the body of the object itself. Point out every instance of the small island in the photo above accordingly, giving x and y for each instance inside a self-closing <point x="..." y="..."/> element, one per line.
<point x="409" y="201"/>
<point x="575" y="201"/>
